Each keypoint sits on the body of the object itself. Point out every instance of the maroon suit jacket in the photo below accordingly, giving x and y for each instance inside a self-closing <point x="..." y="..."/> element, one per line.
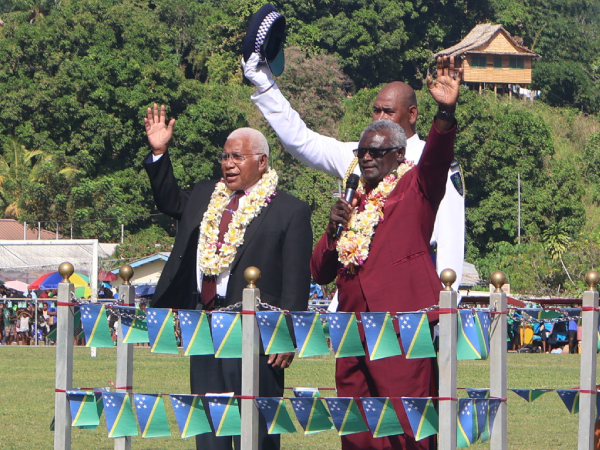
<point x="399" y="274"/>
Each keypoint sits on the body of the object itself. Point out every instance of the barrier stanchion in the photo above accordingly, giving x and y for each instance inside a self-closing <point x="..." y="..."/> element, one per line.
<point x="64" y="359"/>
<point x="589" y="349"/>
<point x="498" y="359"/>
<point x="124" y="377"/>
<point x="447" y="362"/>
<point x="250" y="361"/>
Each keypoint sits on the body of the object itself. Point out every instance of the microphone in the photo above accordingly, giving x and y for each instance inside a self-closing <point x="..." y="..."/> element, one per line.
<point x="351" y="185"/>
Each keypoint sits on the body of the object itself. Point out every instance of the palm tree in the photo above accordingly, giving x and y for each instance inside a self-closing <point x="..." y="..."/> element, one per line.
<point x="556" y="241"/>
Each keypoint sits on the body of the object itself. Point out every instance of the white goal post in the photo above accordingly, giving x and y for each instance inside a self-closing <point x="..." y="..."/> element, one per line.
<point x="35" y="256"/>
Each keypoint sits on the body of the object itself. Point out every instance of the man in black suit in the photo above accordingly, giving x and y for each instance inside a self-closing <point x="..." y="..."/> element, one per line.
<point x="224" y="227"/>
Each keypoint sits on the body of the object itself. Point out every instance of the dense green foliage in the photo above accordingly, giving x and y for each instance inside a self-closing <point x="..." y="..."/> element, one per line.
<point x="76" y="77"/>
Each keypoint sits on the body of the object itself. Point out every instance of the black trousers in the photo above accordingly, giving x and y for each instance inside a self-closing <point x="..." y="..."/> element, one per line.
<point x="210" y="374"/>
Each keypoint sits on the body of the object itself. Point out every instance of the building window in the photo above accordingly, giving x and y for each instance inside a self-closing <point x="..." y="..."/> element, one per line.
<point x="479" y="62"/>
<point x="516" y="63"/>
<point x="497" y="62"/>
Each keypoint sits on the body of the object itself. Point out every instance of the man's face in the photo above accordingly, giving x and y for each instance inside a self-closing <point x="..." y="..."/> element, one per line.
<point x="242" y="175"/>
<point x="391" y="104"/>
<point x="375" y="169"/>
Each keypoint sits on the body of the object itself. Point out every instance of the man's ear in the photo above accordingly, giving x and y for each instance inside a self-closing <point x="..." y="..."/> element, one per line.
<point x="263" y="162"/>
<point x="413" y="112"/>
<point x="401" y="153"/>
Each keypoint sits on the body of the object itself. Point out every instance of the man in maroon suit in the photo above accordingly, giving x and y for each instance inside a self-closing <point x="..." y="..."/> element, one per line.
<point x="392" y="270"/>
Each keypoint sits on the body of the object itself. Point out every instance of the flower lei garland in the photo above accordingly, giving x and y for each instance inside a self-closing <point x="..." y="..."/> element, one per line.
<point x="353" y="245"/>
<point x="214" y="256"/>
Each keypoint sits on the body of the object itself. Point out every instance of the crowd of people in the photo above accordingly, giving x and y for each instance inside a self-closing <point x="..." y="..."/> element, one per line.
<point x="18" y="318"/>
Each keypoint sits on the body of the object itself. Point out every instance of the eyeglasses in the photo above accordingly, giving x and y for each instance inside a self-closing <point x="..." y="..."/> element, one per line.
<point x="237" y="158"/>
<point x="374" y="152"/>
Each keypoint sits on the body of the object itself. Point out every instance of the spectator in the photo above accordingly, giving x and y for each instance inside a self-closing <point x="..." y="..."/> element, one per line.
<point x="573" y="336"/>
<point x="23" y="322"/>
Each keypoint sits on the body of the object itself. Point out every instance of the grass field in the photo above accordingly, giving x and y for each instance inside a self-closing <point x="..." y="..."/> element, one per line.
<point x="27" y="397"/>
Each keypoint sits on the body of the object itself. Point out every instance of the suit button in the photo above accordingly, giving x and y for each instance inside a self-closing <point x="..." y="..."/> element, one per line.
<point x="180" y="256"/>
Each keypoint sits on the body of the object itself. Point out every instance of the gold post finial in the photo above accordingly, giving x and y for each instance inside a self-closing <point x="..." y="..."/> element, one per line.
<point x="65" y="270"/>
<point x="126" y="273"/>
<point x="448" y="277"/>
<point x="592" y="278"/>
<point x="498" y="278"/>
<point x="252" y="275"/>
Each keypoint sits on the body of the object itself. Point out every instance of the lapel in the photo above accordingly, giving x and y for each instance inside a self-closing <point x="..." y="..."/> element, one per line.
<point x="201" y="206"/>
<point x="251" y="232"/>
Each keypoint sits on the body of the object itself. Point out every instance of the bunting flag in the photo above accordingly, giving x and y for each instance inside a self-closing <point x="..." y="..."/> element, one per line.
<point x="416" y="336"/>
<point x="225" y="414"/>
<point x="274" y="332"/>
<point x="151" y="415"/>
<point x="343" y="331"/>
<point x="529" y="394"/>
<point x="325" y="322"/>
<point x="95" y="325"/>
<point x="493" y="406"/>
<point x="482" y="325"/>
<point x="311" y="414"/>
<point x="306" y="392"/>
<point x="161" y="330"/>
<point x="345" y="415"/>
<point x="422" y="416"/>
<point x="52" y="335"/>
<point x="381" y="416"/>
<point x="84" y="409"/>
<point x="190" y="415"/>
<point x="77" y="326"/>
<point x="310" y="338"/>
<point x="99" y="407"/>
<point x="227" y="335"/>
<point x="570" y="398"/>
<point x="467" y="344"/>
<point x="466" y="432"/>
<point x="382" y="340"/>
<point x="597" y="405"/>
<point x="135" y="330"/>
<point x="276" y="415"/>
<point x="478" y="393"/>
<point x="120" y="420"/>
<point x="195" y="333"/>
<point x="481" y="407"/>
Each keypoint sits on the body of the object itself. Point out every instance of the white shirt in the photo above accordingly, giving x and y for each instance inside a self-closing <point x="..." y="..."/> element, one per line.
<point x="334" y="157"/>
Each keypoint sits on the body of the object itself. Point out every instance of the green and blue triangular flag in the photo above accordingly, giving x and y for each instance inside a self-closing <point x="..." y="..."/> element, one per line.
<point x="467" y="344"/>
<point x="225" y="415"/>
<point x="422" y="416"/>
<point x="308" y="329"/>
<point x="345" y="415"/>
<point x="274" y="332"/>
<point x="306" y="392"/>
<point x="151" y="415"/>
<point x="481" y="407"/>
<point x="343" y="332"/>
<point x="381" y="337"/>
<point x="493" y="406"/>
<point x="134" y="326"/>
<point x="381" y="416"/>
<point x="77" y="326"/>
<point x="466" y="431"/>
<point x="227" y="334"/>
<point x="416" y="336"/>
<point x="482" y="324"/>
<point x="190" y="415"/>
<point x="84" y="409"/>
<point x="570" y="398"/>
<point x="120" y="420"/>
<point x="195" y="333"/>
<point x="95" y="325"/>
<point x="530" y="394"/>
<point x="161" y="330"/>
<point x="276" y="415"/>
<point x="478" y="393"/>
<point x="311" y="414"/>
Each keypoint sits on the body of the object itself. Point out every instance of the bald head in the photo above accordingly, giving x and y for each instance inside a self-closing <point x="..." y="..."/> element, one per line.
<point x="397" y="102"/>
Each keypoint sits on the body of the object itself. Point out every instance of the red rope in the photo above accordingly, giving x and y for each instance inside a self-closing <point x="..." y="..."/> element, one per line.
<point x="448" y="310"/>
<point x="590" y="308"/>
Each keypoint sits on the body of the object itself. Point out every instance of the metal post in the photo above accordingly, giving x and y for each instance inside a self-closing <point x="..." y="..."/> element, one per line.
<point x="587" y="381"/>
<point x="124" y="351"/>
<point x="39" y="230"/>
<point x="122" y="232"/>
<point x="24" y="231"/>
<point x="94" y="274"/>
<point x="250" y="361"/>
<point x="498" y="360"/>
<point x="35" y="322"/>
<point x="57" y="231"/>
<point x="447" y="362"/>
<point x="519" y="212"/>
<point x="71" y="230"/>
<point x="64" y="360"/>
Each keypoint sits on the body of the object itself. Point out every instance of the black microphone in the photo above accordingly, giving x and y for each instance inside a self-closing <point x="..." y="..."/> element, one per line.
<point x="351" y="185"/>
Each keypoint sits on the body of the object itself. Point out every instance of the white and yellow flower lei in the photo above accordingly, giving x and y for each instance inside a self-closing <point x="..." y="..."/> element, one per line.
<point x="213" y="256"/>
<point x="353" y="245"/>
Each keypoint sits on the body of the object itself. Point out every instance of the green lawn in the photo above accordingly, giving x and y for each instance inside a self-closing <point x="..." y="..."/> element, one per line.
<point x="27" y="396"/>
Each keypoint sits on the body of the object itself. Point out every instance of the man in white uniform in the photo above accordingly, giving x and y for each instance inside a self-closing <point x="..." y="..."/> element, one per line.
<point x="396" y="102"/>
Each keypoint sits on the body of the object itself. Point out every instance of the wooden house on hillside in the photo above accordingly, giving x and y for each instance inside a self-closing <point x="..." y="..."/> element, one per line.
<point x="489" y="54"/>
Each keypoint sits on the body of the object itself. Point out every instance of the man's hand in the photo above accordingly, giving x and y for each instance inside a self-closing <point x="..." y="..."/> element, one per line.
<point x="158" y="134"/>
<point x="445" y="90"/>
<point x="258" y="73"/>
<point x="340" y="214"/>
<point x="280" y="360"/>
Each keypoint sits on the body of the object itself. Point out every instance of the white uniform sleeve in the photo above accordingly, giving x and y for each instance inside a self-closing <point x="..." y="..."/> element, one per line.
<point x="319" y="152"/>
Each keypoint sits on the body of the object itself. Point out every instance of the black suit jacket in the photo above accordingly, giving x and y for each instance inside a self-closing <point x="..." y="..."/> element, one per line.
<point x="278" y="241"/>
